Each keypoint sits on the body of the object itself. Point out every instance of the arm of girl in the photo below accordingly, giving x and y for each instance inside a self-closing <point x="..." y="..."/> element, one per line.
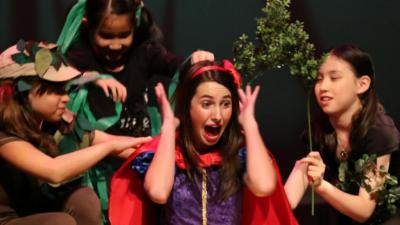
<point x="101" y="136"/>
<point x="296" y="184"/>
<point x="260" y="175"/>
<point x="28" y="158"/>
<point x="358" y="207"/>
<point x="160" y="176"/>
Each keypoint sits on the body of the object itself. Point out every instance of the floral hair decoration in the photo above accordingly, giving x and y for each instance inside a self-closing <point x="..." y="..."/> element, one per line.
<point x="227" y="66"/>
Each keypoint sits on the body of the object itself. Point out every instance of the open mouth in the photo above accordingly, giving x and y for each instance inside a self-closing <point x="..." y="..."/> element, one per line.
<point x="212" y="130"/>
<point x="212" y="133"/>
<point x="325" y="100"/>
<point x="113" y="57"/>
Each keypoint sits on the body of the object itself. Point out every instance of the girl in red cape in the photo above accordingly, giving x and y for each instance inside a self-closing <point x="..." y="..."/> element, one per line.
<point x="208" y="166"/>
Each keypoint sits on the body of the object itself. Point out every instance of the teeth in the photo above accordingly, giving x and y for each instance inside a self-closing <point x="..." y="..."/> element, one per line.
<point x="325" y="98"/>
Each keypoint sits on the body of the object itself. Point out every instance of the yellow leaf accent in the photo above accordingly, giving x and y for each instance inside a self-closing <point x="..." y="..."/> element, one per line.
<point x="43" y="59"/>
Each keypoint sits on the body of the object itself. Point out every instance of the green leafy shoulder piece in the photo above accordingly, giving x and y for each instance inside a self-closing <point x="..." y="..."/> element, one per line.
<point x="363" y="172"/>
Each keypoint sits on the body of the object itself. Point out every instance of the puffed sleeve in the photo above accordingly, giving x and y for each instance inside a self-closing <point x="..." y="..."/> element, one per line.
<point x="383" y="137"/>
<point x="242" y="159"/>
<point x="142" y="162"/>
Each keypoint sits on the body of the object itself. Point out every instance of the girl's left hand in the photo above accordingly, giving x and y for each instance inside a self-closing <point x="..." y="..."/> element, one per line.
<point x="247" y="104"/>
<point x="113" y="86"/>
<point x="201" y="55"/>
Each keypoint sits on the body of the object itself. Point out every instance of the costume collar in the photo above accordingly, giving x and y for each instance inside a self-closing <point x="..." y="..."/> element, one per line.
<point x="206" y="160"/>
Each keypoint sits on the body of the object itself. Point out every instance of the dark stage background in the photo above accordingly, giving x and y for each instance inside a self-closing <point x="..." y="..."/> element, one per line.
<point x="215" y="24"/>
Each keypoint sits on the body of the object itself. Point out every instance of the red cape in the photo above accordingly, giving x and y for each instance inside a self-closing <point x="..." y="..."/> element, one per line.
<point x="129" y="204"/>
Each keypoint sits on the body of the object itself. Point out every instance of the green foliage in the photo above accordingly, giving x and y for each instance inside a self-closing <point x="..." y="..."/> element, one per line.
<point x="278" y="43"/>
<point x="362" y="173"/>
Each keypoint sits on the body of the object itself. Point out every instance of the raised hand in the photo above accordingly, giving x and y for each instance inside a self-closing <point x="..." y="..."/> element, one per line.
<point x="166" y="110"/>
<point x="201" y="55"/>
<point x="247" y="104"/>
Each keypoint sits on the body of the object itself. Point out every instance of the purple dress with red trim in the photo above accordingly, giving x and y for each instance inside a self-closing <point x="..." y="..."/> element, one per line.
<point x="186" y="193"/>
<point x="129" y="204"/>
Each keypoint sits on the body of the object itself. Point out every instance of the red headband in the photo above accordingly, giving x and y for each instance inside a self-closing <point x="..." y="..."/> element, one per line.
<point x="227" y="67"/>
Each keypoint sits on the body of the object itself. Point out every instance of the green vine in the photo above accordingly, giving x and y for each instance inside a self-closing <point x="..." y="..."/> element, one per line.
<point x="364" y="173"/>
<point x="279" y="42"/>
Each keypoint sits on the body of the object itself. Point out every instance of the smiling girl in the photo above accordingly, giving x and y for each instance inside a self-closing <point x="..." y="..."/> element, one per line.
<point x="118" y="38"/>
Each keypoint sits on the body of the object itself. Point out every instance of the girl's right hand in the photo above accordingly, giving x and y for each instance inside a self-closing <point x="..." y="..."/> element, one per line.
<point x="201" y="55"/>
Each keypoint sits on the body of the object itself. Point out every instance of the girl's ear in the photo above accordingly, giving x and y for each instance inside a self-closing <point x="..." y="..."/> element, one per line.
<point x="364" y="82"/>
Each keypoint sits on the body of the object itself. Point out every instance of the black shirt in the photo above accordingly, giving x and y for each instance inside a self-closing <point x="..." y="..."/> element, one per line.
<point x="381" y="139"/>
<point x="143" y="62"/>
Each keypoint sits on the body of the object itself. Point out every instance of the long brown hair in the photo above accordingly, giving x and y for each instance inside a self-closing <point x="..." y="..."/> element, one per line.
<point x="361" y="64"/>
<point x="231" y="139"/>
<point x="17" y="117"/>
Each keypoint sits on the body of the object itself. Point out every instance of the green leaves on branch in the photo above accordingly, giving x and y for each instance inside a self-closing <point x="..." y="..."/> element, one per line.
<point x="278" y="43"/>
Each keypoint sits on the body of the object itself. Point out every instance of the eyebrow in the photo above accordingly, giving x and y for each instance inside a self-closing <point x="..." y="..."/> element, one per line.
<point x="209" y="96"/>
<point x="330" y="72"/>
<point x="112" y="34"/>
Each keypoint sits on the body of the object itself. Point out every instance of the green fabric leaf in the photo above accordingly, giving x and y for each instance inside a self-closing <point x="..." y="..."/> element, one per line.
<point x="23" y="86"/>
<point x="43" y="59"/>
<point x="68" y="143"/>
<point x="79" y="133"/>
<point x="21" y="58"/>
<point x="34" y="48"/>
<point x="83" y="123"/>
<point x="56" y="61"/>
<point x="21" y="44"/>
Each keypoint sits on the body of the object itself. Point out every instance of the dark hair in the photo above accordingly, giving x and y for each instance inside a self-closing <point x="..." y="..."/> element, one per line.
<point x="361" y="64"/>
<point x="17" y="117"/>
<point x="231" y="139"/>
<point x="96" y="10"/>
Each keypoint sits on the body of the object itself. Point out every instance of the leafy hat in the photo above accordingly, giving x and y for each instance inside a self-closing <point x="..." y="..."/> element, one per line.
<point x="29" y="58"/>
